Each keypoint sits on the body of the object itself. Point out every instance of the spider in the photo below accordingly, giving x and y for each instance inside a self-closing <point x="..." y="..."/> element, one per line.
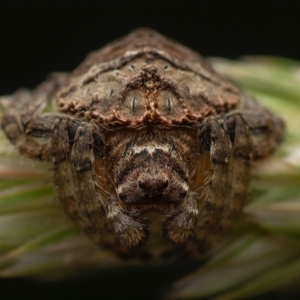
<point x="144" y="124"/>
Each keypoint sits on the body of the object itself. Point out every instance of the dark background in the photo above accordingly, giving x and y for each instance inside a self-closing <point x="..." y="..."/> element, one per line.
<point x="38" y="37"/>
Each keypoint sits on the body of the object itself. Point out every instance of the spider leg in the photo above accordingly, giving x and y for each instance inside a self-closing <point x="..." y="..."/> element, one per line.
<point x="22" y="119"/>
<point x="267" y="130"/>
<point x="15" y="131"/>
<point x="180" y="226"/>
<point x="240" y="166"/>
<point x="64" y="177"/>
<point x="131" y="231"/>
<point x="101" y="216"/>
<point x="228" y="186"/>
<point x="214" y="138"/>
<point x="88" y="201"/>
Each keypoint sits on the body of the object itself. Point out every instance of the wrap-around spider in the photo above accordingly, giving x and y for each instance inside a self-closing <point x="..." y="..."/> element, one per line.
<point x="145" y="124"/>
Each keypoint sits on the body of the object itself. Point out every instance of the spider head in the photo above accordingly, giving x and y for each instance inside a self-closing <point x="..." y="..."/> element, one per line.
<point x="151" y="174"/>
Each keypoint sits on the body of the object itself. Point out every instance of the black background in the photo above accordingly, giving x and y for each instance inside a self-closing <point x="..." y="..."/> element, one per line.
<point x="38" y="37"/>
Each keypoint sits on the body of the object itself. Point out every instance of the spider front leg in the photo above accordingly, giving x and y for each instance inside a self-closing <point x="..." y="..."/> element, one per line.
<point x="77" y="200"/>
<point x="213" y="137"/>
<point x="180" y="226"/>
<point x="64" y="178"/>
<point x="227" y="186"/>
<point x="100" y="215"/>
<point x="240" y="166"/>
<point x="130" y="230"/>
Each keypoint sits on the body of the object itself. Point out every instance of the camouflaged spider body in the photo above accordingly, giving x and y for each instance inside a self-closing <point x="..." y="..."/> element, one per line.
<point x="145" y="124"/>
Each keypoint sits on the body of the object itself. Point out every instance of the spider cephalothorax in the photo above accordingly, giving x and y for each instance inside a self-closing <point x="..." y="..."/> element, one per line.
<point x="145" y="124"/>
<point x="151" y="169"/>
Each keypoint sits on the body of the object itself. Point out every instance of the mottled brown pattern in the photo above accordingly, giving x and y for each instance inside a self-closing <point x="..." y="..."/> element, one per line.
<point x="145" y="124"/>
<point x="147" y="80"/>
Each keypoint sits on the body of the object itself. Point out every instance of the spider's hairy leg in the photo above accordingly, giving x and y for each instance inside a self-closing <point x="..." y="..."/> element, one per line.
<point x="64" y="179"/>
<point x="228" y="186"/>
<point x="131" y="231"/>
<point x="101" y="216"/>
<point x="22" y="119"/>
<point x="15" y="131"/>
<point x="88" y="200"/>
<point x="180" y="226"/>
<point x="240" y="166"/>
<point x="267" y="130"/>
<point x="213" y="137"/>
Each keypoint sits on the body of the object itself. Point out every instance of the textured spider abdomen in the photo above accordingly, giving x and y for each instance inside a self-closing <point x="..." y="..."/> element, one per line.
<point x="147" y="86"/>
